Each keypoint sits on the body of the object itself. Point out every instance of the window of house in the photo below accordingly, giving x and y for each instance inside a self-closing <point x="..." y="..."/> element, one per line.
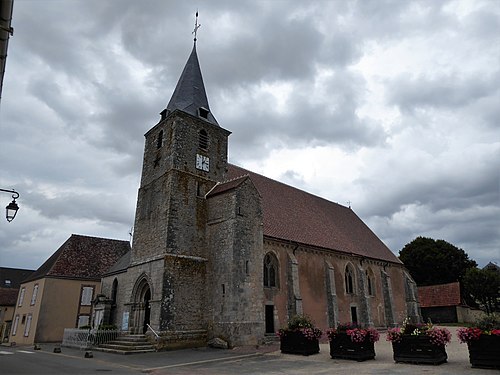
<point x="33" y="296"/>
<point x="7" y="283"/>
<point x="349" y="279"/>
<point x="14" y="327"/>
<point x="203" y="139"/>
<point x="270" y="271"/>
<point x="21" y="296"/>
<point x="87" y="294"/>
<point x="83" y="320"/>
<point x="159" y="140"/>
<point x="27" y="326"/>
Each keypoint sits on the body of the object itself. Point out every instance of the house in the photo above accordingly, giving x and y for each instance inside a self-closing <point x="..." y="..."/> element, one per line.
<point x="59" y="294"/>
<point x="220" y="251"/>
<point x="10" y="280"/>
<point x="443" y="304"/>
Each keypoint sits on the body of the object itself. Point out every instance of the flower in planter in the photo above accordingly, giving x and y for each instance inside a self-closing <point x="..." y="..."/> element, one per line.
<point x="357" y="334"/>
<point x="438" y="336"/>
<point x="303" y="325"/>
<point x="489" y="325"/>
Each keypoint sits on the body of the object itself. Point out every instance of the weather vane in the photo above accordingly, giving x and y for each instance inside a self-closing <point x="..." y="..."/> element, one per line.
<point x="196" y="26"/>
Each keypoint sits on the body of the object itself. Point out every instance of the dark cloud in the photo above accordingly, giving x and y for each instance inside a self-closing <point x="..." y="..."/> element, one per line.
<point x="86" y="79"/>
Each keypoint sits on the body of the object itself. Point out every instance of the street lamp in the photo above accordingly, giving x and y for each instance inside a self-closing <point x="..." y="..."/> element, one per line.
<point x="12" y="207"/>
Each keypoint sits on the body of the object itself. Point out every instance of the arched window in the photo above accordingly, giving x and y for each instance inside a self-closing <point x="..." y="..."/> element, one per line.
<point x="159" y="140"/>
<point x="270" y="271"/>
<point x="370" y="282"/>
<point x="349" y="279"/>
<point x="203" y="139"/>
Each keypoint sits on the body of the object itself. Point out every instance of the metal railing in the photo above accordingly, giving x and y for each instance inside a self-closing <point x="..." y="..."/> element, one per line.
<point x="87" y="338"/>
<point x="152" y="330"/>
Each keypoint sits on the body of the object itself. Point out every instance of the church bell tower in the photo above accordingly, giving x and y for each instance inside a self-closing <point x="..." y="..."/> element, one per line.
<point x="185" y="155"/>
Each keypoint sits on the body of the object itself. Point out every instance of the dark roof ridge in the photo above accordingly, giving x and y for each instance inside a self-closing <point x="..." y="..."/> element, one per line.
<point x="222" y="187"/>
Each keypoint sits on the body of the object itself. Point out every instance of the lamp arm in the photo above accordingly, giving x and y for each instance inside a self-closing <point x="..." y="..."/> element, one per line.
<point x="15" y="194"/>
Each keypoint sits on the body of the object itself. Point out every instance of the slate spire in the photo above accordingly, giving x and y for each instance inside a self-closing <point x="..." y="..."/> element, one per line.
<point x="189" y="95"/>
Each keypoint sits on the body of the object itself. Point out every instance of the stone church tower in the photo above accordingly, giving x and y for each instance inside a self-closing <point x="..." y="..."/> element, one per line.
<point x="187" y="276"/>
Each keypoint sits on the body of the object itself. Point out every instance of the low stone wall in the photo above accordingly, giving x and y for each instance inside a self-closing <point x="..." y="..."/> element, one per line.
<point x="173" y="340"/>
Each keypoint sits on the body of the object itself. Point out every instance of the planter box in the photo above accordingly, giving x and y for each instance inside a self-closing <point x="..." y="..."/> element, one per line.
<point x="342" y="347"/>
<point x="418" y="349"/>
<point x="485" y="352"/>
<point x="296" y="343"/>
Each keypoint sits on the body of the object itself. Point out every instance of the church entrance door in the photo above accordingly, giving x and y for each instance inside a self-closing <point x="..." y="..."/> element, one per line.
<point x="141" y="308"/>
<point x="147" y="310"/>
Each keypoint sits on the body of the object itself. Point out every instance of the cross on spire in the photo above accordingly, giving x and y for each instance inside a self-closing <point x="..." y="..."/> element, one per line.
<point x="196" y="26"/>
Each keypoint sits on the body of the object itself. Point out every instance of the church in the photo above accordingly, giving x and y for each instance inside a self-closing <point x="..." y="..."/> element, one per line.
<point x="220" y="251"/>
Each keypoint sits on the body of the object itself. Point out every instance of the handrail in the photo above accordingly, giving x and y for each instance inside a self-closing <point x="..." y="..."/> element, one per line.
<point x="152" y="330"/>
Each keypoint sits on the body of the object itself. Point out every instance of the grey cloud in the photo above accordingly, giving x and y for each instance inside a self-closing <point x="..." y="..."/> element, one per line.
<point x="443" y="91"/>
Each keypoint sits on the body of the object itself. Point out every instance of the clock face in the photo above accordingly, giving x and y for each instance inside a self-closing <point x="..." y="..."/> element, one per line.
<point x="202" y="162"/>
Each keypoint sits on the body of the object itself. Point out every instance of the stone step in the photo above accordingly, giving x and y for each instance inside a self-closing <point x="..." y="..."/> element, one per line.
<point x="132" y="338"/>
<point x="129" y="343"/>
<point x="118" y="346"/>
<point x="124" y="352"/>
<point x="271" y="338"/>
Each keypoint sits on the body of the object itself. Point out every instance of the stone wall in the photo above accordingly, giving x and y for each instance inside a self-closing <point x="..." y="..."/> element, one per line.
<point x="234" y="234"/>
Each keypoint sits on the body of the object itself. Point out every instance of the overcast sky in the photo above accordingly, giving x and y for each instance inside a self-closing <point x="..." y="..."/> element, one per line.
<point x="393" y="106"/>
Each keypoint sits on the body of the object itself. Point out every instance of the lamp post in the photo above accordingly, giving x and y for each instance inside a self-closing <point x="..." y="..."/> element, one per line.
<point x="12" y="207"/>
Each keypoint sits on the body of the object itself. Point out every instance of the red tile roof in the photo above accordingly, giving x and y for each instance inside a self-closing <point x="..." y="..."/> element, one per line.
<point x="294" y="215"/>
<point x="82" y="257"/>
<point x="439" y="295"/>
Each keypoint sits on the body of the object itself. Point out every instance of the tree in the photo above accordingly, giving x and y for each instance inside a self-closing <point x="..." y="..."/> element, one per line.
<point x="433" y="262"/>
<point x="483" y="286"/>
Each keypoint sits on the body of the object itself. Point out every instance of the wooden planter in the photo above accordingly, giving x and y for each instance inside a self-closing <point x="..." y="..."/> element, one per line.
<point x="485" y="352"/>
<point x="295" y="343"/>
<point x="341" y="346"/>
<point x="418" y="349"/>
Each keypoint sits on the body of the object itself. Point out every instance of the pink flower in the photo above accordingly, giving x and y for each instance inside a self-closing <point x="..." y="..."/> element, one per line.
<point x="468" y="334"/>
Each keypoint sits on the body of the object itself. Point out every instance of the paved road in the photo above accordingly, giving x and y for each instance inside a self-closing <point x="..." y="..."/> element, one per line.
<point x="241" y="361"/>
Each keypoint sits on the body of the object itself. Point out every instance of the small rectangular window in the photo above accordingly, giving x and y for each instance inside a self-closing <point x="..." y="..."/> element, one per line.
<point x="14" y="327"/>
<point x="28" y="326"/>
<point x="83" y="320"/>
<point x="33" y="296"/>
<point x="21" y="296"/>
<point x="87" y="294"/>
<point x="8" y="283"/>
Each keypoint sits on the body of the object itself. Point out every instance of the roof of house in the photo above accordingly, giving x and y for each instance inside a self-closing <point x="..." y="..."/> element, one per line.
<point x="189" y="94"/>
<point x="13" y="277"/>
<point x="440" y="295"/>
<point x="8" y="296"/>
<point x="492" y="266"/>
<point x="82" y="257"/>
<point x="294" y="215"/>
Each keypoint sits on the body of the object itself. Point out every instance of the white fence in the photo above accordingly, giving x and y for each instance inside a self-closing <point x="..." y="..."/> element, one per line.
<point x="87" y="338"/>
